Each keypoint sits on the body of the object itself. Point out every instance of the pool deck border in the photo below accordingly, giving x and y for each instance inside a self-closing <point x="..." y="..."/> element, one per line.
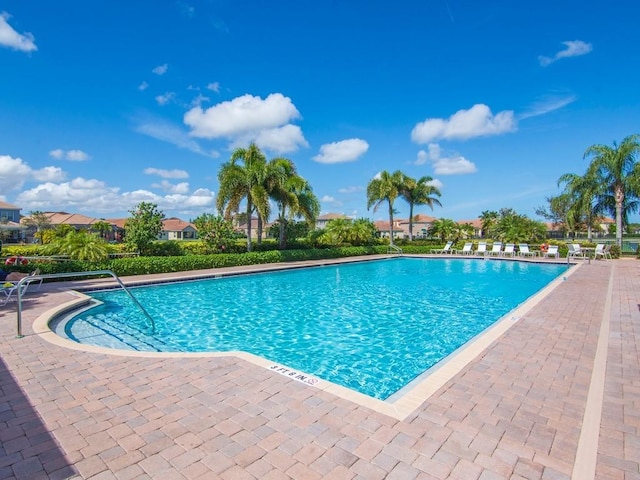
<point x="555" y="382"/>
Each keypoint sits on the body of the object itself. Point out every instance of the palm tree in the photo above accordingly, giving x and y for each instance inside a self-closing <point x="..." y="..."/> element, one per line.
<point x="617" y="170"/>
<point x="419" y="192"/>
<point x="489" y="218"/>
<point x="292" y="192"/>
<point x="582" y="191"/>
<point x="385" y="187"/>
<point x="81" y="245"/>
<point x="444" y="229"/>
<point x="243" y="178"/>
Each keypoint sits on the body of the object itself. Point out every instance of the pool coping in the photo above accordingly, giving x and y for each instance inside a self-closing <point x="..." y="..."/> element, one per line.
<point x="399" y="406"/>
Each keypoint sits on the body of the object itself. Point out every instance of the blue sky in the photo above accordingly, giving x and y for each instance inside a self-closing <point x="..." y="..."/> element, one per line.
<point x="107" y="104"/>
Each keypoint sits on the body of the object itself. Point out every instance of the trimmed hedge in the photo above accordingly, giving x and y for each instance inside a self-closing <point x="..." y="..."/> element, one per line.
<point x="147" y="265"/>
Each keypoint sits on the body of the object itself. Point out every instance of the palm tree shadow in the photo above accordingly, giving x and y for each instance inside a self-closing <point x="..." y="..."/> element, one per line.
<point x="27" y="449"/>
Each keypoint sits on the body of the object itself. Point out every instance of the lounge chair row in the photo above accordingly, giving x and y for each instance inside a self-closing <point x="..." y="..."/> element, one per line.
<point x="497" y="250"/>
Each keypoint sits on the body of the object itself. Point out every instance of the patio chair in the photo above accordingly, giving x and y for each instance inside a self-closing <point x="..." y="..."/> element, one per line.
<point x="552" y="251"/>
<point x="603" y="251"/>
<point x="575" y="251"/>
<point x="482" y="248"/>
<point x="523" y="251"/>
<point x="496" y="249"/>
<point x="446" y="249"/>
<point x="509" y="250"/>
<point x="466" y="250"/>
<point x="10" y="291"/>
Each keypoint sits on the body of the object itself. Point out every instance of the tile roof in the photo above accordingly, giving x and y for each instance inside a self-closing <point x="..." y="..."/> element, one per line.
<point x="8" y="206"/>
<point x="174" y="224"/>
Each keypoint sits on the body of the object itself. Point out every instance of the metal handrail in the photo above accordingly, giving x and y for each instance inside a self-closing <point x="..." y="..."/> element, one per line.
<point x="33" y="278"/>
<point x="394" y="248"/>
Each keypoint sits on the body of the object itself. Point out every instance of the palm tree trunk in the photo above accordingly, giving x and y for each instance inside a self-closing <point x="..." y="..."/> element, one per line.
<point x="249" y="208"/>
<point x="619" y="201"/>
<point x="259" y="240"/>
<point x="281" y="232"/>
<point x="410" y="222"/>
<point x="390" y="224"/>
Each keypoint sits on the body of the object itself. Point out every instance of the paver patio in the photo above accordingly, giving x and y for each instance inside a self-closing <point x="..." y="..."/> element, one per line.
<point x="516" y="411"/>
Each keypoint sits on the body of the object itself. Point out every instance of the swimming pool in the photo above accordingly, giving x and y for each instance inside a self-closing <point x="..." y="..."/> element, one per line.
<point x="370" y="326"/>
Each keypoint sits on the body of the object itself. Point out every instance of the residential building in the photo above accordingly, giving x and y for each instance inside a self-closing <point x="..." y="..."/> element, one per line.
<point x="322" y="220"/>
<point x="10" y="229"/>
<point x="175" y="229"/>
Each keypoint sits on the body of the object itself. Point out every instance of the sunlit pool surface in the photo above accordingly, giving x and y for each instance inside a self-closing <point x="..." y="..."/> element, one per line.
<point x="370" y="326"/>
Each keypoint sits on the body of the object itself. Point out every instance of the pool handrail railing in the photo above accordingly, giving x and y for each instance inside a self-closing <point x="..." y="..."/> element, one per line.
<point x="32" y="278"/>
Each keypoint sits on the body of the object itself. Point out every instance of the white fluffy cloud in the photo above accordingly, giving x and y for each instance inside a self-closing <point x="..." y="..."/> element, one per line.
<point x="14" y="172"/>
<point x="72" y="155"/>
<point x="94" y="195"/>
<point x="444" y="165"/>
<point x="574" y="48"/>
<point x="166" y="173"/>
<point x="12" y="39"/>
<point x="181" y="188"/>
<point x="161" y="69"/>
<point x="343" y="151"/>
<point x="249" y="118"/>
<point x="214" y="87"/>
<point x="478" y="121"/>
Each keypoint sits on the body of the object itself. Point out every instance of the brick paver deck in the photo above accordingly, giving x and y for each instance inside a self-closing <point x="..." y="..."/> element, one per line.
<point x="514" y="412"/>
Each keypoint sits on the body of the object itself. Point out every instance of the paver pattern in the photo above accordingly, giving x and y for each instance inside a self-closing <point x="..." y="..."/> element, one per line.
<point x="515" y="412"/>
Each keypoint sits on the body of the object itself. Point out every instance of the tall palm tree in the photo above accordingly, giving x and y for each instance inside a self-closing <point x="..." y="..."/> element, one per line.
<point x="582" y="190"/>
<point x="419" y="192"/>
<point x="292" y="192"/>
<point x="617" y="170"/>
<point x="385" y="187"/>
<point x="243" y="178"/>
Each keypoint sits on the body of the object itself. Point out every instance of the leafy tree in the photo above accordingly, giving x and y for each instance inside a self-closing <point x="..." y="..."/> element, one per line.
<point x="488" y="220"/>
<point x="362" y="232"/>
<point x="444" y="229"/>
<point x="143" y="227"/>
<point x="385" y="188"/>
<point x="102" y="227"/>
<point x="39" y="221"/>
<point x="336" y="232"/>
<point x="512" y="227"/>
<point x="216" y="232"/>
<point x="582" y="192"/>
<point x="558" y="212"/>
<point x="292" y="229"/>
<point x="418" y="192"/>
<point x="617" y="170"/>
<point x="243" y="177"/>
<point x="292" y="193"/>
<point x="81" y="245"/>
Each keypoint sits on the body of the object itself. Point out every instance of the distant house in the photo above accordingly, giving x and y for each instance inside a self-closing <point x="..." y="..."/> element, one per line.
<point x="420" y="227"/>
<point x="382" y="228"/>
<point x="322" y="220"/>
<point x="476" y="223"/>
<point x="175" y="229"/>
<point x="10" y="228"/>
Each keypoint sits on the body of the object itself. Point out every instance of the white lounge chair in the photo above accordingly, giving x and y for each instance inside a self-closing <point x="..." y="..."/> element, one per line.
<point x="603" y="251"/>
<point x="10" y="291"/>
<point x="466" y="250"/>
<point x="446" y="249"/>
<point x="523" y="251"/>
<point x="482" y="248"/>
<point x="496" y="249"/>
<point x="552" y="251"/>
<point x="509" y="250"/>
<point x="575" y="251"/>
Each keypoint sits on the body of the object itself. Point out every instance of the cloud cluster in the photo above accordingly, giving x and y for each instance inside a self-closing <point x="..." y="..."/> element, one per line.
<point x="574" y="48"/>
<point x="445" y="165"/>
<point x="166" y="173"/>
<point x="247" y="118"/>
<point x="72" y="155"/>
<point x="161" y="69"/>
<point x="343" y="151"/>
<point x="24" y="42"/>
<point x="14" y="172"/>
<point x="478" y="121"/>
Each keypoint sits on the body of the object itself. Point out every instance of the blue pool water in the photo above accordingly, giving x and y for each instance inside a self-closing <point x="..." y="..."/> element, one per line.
<point x="371" y="326"/>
